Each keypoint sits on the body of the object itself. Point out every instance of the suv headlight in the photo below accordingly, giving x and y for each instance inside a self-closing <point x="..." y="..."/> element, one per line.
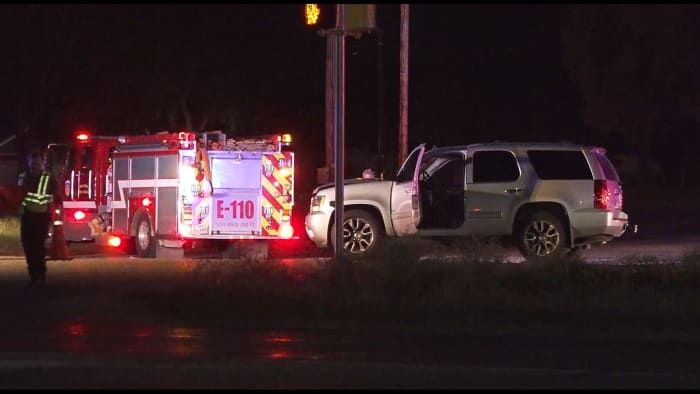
<point x="316" y="202"/>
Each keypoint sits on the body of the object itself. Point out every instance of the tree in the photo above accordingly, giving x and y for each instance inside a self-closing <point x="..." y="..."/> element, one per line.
<point x="36" y="71"/>
<point x="637" y="70"/>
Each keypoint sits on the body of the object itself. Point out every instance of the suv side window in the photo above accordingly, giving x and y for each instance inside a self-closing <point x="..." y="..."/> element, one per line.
<point x="560" y="164"/>
<point x="495" y="166"/>
<point x="449" y="175"/>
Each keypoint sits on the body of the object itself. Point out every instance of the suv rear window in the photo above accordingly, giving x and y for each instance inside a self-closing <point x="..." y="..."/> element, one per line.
<point x="608" y="168"/>
<point x="560" y="164"/>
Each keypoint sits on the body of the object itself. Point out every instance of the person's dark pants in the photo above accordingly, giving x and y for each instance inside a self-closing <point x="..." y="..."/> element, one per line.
<point x="34" y="230"/>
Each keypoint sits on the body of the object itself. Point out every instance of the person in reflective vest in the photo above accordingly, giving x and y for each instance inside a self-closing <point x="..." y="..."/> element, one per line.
<point x="40" y="190"/>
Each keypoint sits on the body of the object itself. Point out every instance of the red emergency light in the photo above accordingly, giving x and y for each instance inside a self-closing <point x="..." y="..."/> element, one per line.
<point x="78" y="215"/>
<point x="82" y="136"/>
<point x="146" y="202"/>
<point x="185" y="136"/>
<point x="187" y="139"/>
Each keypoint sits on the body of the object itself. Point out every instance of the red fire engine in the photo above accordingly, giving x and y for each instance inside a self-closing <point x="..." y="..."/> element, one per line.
<point x="82" y="167"/>
<point x="158" y="192"/>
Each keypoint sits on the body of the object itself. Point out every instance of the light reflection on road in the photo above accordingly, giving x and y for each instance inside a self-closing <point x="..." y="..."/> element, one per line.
<point x="92" y="337"/>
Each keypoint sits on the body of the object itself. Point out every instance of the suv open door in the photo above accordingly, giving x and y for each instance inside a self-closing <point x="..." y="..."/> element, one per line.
<point x="405" y="195"/>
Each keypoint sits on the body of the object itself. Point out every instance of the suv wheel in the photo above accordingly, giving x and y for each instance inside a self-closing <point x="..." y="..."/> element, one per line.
<point x="542" y="237"/>
<point x="361" y="234"/>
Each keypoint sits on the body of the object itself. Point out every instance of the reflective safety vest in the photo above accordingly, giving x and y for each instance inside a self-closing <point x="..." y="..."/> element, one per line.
<point x="39" y="201"/>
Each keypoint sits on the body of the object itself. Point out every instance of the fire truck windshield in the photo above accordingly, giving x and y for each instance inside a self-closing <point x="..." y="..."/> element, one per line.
<point x="85" y="156"/>
<point x="57" y="156"/>
<point x="64" y="157"/>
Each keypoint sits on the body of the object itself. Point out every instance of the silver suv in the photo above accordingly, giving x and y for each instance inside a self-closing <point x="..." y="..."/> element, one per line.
<point x="552" y="198"/>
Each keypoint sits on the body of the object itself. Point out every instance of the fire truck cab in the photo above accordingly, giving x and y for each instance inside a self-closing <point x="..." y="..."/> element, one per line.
<point x="160" y="193"/>
<point x="81" y="166"/>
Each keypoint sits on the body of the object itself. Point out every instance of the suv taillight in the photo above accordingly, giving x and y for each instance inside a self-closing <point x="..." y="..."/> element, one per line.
<point x="601" y="194"/>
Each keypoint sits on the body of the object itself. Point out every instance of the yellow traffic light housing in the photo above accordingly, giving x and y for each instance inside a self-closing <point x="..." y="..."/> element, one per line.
<point x="311" y="13"/>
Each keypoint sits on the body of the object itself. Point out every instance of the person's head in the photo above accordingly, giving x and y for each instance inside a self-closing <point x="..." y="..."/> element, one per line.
<point x="35" y="161"/>
<point x="368" y="173"/>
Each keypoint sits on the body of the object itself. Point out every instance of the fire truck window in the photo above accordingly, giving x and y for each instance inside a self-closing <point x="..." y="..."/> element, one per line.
<point x="143" y="167"/>
<point x="121" y="168"/>
<point x="71" y="159"/>
<point x="86" y="157"/>
<point x="167" y="167"/>
<point x="57" y="156"/>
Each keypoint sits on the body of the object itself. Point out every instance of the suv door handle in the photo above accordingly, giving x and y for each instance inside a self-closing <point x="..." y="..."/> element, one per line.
<point x="517" y="189"/>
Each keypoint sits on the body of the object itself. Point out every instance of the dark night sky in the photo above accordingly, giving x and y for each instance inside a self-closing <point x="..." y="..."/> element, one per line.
<point x="476" y="72"/>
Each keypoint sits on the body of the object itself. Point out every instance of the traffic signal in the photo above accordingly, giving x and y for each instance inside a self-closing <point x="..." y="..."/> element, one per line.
<point x="319" y="16"/>
<point x="311" y="13"/>
<point x="359" y="18"/>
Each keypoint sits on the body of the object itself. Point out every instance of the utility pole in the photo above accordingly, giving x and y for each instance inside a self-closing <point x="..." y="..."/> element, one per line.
<point x="350" y="19"/>
<point x="339" y="53"/>
<point x="380" y="92"/>
<point x="403" y="75"/>
<point x="330" y="104"/>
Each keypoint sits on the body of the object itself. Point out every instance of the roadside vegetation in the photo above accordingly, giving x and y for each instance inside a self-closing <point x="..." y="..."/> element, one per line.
<point x="9" y="235"/>
<point x="642" y="295"/>
<point x="458" y="290"/>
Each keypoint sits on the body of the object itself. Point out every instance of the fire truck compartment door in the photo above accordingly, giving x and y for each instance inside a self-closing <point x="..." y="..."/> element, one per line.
<point x="236" y="171"/>
<point x="236" y="200"/>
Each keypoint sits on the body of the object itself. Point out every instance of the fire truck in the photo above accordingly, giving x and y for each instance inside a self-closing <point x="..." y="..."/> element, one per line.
<point x="159" y="193"/>
<point x="81" y="165"/>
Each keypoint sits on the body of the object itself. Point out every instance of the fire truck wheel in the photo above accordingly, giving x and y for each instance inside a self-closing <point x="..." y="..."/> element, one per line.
<point x="144" y="241"/>
<point x="361" y="234"/>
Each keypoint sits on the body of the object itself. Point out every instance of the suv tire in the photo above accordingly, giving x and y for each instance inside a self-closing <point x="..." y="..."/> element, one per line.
<point x="361" y="234"/>
<point x="542" y="237"/>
